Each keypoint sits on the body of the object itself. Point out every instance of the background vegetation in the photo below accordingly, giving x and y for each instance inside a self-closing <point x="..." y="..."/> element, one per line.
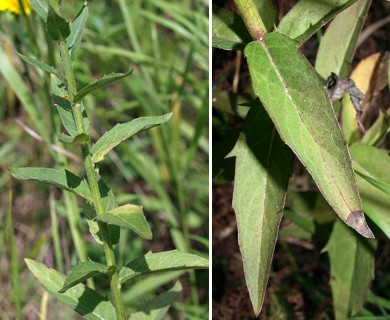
<point x="165" y="170"/>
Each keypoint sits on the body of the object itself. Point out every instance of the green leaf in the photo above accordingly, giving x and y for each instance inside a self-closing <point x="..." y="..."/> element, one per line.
<point x="338" y="44"/>
<point x="306" y="224"/>
<point x="352" y="261"/>
<point x="128" y="216"/>
<point x="42" y="65"/>
<point x="81" y="299"/>
<point x="375" y="135"/>
<point x="56" y="26"/>
<point x="76" y="31"/>
<point x="295" y="98"/>
<point x="82" y="272"/>
<point x="107" y="79"/>
<point x="41" y="7"/>
<point x="64" y="107"/>
<point x="229" y="30"/>
<point x="263" y="167"/>
<point x="122" y="132"/>
<point x="61" y="178"/>
<point x="162" y="261"/>
<point x="373" y="179"/>
<point x="308" y="16"/>
<point x="80" y="138"/>
<point x="159" y="306"/>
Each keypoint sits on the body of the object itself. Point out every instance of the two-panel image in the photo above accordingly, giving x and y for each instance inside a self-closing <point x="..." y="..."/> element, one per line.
<point x="194" y="159"/>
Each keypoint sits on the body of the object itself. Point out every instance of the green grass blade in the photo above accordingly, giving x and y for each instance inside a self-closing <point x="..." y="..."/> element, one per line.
<point x="294" y="97"/>
<point x="352" y="261"/>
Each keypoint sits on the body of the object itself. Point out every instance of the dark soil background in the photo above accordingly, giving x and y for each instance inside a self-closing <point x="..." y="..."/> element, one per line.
<point x="230" y="296"/>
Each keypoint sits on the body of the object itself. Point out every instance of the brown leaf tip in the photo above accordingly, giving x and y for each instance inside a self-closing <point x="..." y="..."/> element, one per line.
<point x="357" y="221"/>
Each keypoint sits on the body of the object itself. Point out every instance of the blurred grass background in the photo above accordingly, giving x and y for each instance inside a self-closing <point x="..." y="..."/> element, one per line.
<point x="165" y="170"/>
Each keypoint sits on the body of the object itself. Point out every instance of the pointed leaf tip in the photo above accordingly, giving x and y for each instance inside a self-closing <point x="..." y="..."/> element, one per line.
<point x="357" y="221"/>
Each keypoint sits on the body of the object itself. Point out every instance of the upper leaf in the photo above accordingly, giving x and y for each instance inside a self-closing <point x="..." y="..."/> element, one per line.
<point x="123" y="131"/>
<point x="41" y="7"/>
<point x="308" y="16"/>
<point x="338" y="44"/>
<point x="128" y="216"/>
<point x="161" y="261"/>
<point x="83" y="300"/>
<point x="107" y="79"/>
<point x="76" y="31"/>
<point x="295" y="98"/>
<point x="229" y="30"/>
<point x="57" y="27"/>
<point x="159" y="306"/>
<point x="263" y="167"/>
<point x="61" y="178"/>
<point x="82" y="272"/>
<point x="42" y="65"/>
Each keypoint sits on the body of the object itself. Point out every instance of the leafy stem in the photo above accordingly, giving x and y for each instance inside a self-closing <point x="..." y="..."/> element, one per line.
<point x="252" y="19"/>
<point x="93" y="183"/>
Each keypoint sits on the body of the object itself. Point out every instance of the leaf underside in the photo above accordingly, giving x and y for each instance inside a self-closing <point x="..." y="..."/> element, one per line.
<point x="295" y="99"/>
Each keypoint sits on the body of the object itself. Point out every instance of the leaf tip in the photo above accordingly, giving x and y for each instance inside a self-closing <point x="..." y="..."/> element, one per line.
<point x="357" y="221"/>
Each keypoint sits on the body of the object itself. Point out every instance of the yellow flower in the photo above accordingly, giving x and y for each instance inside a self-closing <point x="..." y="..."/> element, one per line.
<point x="13" y="6"/>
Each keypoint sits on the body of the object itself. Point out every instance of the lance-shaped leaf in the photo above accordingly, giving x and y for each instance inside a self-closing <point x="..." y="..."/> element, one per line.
<point x="338" y="44"/>
<point x="159" y="306"/>
<point x="263" y="167"/>
<point x="76" y="31"/>
<point x="308" y="16"/>
<point x="107" y="79"/>
<point x="229" y="31"/>
<point x="294" y="97"/>
<point x="61" y="178"/>
<point x="64" y="107"/>
<point x="41" y="7"/>
<point x="83" y="300"/>
<point x="161" y="261"/>
<point x="123" y="131"/>
<point x="82" y="272"/>
<point x="128" y="216"/>
<point x="41" y="65"/>
<point x="57" y="26"/>
<point x="352" y="261"/>
<point x="372" y="165"/>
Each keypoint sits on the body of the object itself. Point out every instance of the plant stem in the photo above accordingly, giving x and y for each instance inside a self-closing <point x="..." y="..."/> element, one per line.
<point x="93" y="184"/>
<point x="252" y="19"/>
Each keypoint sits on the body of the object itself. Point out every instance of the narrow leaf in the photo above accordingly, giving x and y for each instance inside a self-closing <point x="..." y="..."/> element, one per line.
<point x="308" y="16"/>
<point x="229" y="30"/>
<point x="81" y="299"/>
<point x="338" y="44"/>
<point x="159" y="306"/>
<point x="61" y="178"/>
<point x="294" y="97"/>
<point x="41" y="7"/>
<point x="128" y="216"/>
<point x="80" y="138"/>
<point x="64" y="107"/>
<point x="107" y="79"/>
<point x="82" y="272"/>
<point x="352" y="260"/>
<point x="76" y="31"/>
<point x="162" y="261"/>
<point x="122" y="132"/>
<point x="263" y="167"/>
<point x="42" y="65"/>
<point x="56" y="26"/>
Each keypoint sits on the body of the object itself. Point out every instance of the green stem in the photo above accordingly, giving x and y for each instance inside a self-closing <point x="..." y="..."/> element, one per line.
<point x="252" y="19"/>
<point x="93" y="184"/>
